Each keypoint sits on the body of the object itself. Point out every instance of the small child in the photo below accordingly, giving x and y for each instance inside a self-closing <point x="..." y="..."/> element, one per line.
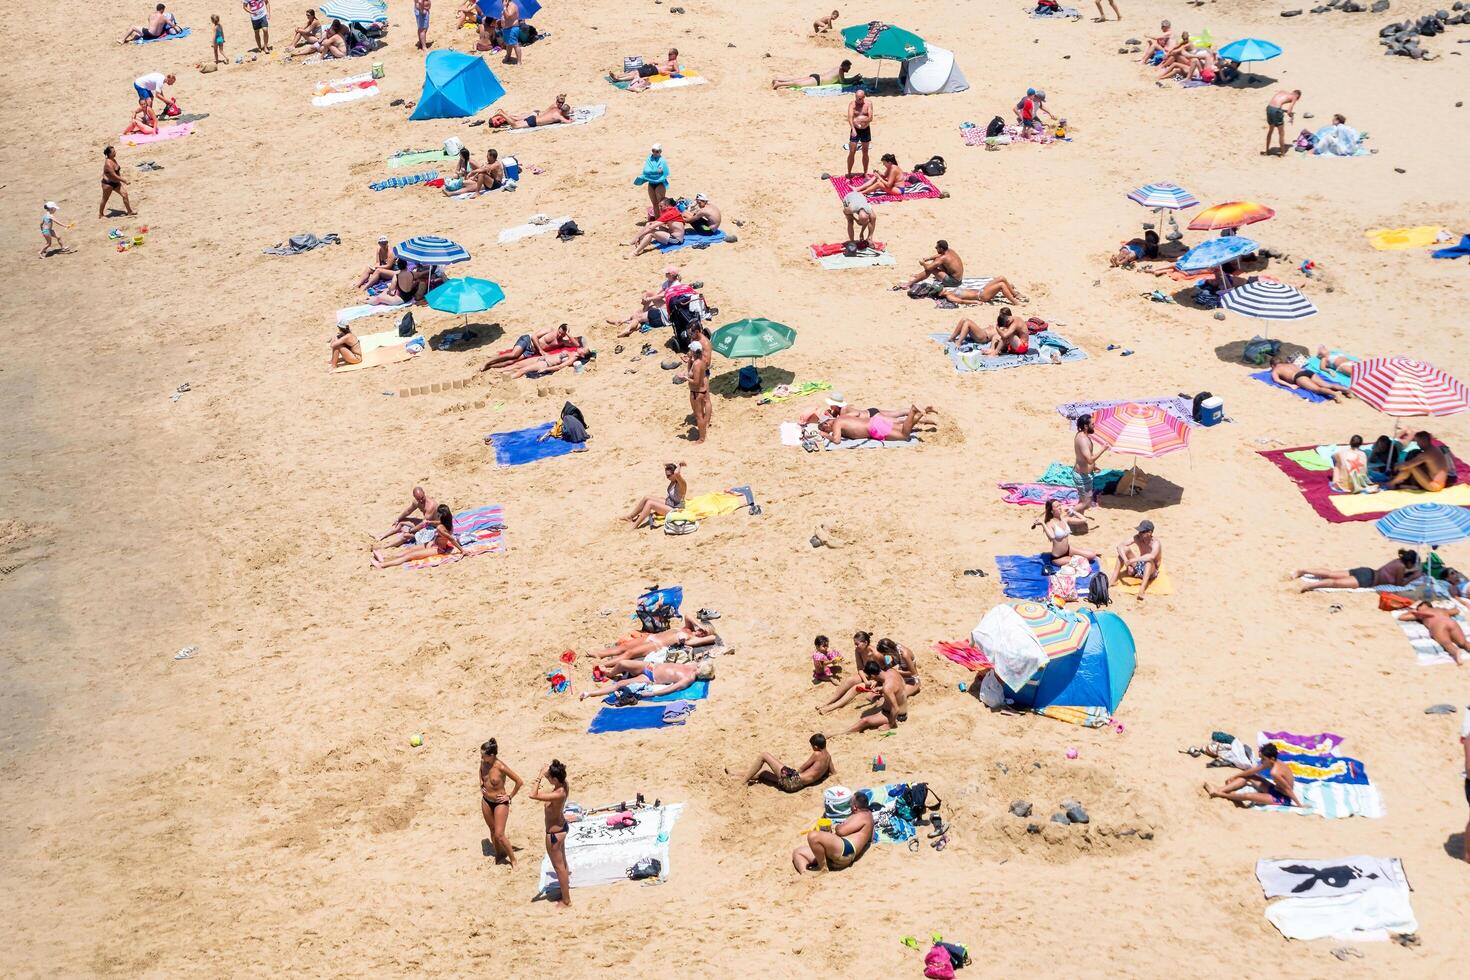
<point x="824" y="24"/>
<point x="48" y="231"/>
<point x="220" y="58"/>
<point x="824" y="662"/>
<point x="421" y="20"/>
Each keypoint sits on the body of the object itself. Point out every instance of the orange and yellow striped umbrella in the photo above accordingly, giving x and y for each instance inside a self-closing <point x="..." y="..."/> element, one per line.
<point x="1233" y="214"/>
<point x="1139" y="430"/>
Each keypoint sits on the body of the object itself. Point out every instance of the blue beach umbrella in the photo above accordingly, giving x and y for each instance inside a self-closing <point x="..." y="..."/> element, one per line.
<point x="354" y="11"/>
<point x="1214" y="253"/>
<point x="1426" y="524"/>
<point x="495" y="8"/>
<point x="1249" y="49"/>
<point x="430" y="250"/>
<point x="465" y="296"/>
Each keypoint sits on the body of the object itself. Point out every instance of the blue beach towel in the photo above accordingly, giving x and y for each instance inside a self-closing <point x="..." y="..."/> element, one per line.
<point x="525" y="445"/>
<point x="1264" y="377"/>
<point x="691" y="239"/>
<point x="697" y="691"/>
<point x="1024" y="576"/>
<point x="630" y="719"/>
<point x="1454" y="251"/>
<point x="967" y="361"/>
<point x="392" y="182"/>
<point x="184" y="32"/>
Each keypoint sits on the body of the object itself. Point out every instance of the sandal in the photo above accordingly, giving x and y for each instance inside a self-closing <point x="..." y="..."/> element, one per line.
<point x="707" y="614"/>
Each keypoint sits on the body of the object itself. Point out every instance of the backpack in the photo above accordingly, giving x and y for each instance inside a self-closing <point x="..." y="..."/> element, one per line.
<point x="996" y="128"/>
<point x="925" y="289"/>
<point x="1258" y="350"/>
<point x="1452" y="470"/>
<point x="749" y="379"/>
<point x="933" y="167"/>
<point x="1198" y="401"/>
<point x="1097" y="591"/>
<point x="1035" y="324"/>
<point x="915" y="801"/>
<point x="937" y="964"/>
<point x="657" y="619"/>
<point x="406" y="326"/>
<point x="645" y="868"/>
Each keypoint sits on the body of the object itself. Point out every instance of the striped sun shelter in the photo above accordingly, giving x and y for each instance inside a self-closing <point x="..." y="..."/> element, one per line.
<point x="1426" y="524"/>
<point x="1140" y="430"/>
<point x="1163" y="195"/>
<point x="431" y="250"/>
<point x="354" y="11"/>
<point x="1403" y="387"/>
<point x="1268" y="301"/>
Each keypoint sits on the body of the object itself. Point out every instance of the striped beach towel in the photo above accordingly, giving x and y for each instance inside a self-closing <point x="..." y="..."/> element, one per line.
<point x="480" y="532"/>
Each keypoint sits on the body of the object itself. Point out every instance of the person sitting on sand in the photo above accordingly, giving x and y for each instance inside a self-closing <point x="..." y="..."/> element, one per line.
<point x="1028" y="111"/>
<point x="557" y="112"/>
<point x="656" y="680"/>
<point x="665" y="229"/>
<point x="1350" y="469"/>
<point x="345" y="348"/>
<point x="309" y="31"/>
<point x="1401" y="571"/>
<point x="443" y="542"/>
<point x="1181" y="51"/>
<point x="143" y="120"/>
<point x="999" y="286"/>
<point x="945" y="265"/>
<point x="409" y="285"/>
<point x="488" y="177"/>
<point x="1425" y="466"/>
<point x="1270" y="783"/>
<point x="383" y="268"/>
<point x="704" y="218"/>
<point x="551" y="362"/>
<point x="469" y="15"/>
<point x="673" y="497"/>
<point x="824" y="24"/>
<point x="1134" y="249"/>
<point x="1291" y="375"/>
<point x="770" y="771"/>
<point x="159" y="25"/>
<point x="488" y="34"/>
<point x="1196" y="64"/>
<point x="332" y="43"/>
<point x="652" y="300"/>
<point x="639" y="646"/>
<point x="1157" y="42"/>
<point x="862" y="655"/>
<point x="1057" y="522"/>
<point x="840" y="847"/>
<point x="832" y="76"/>
<point x="901" y="658"/>
<point x="879" y="428"/>
<point x="890" y="706"/>
<point x="405" y="523"/>
<point x="1140" y="557"/>
<point x="1442" y="628"/>
<point x="533" y="345"/>
<point x="1012" y="334"/>
<point x="886" y="182"/>
<point x="651" y="66"/>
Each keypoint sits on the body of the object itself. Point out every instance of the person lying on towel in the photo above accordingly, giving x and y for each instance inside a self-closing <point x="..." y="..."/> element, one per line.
<point x="646" y="646"/>
<point x="880" y="428"/>
<point x="1270" y="783"/>
<point x="550" y="362"/>
<point x="638" y="77"/>
<point x="1441" y="626"/>
<point x="533" y="345"/>
<point x="557" y="112"/>
<point x="1289" y="374"/>
<point x="1399" y="572"/>
<point x="656" y="680"/>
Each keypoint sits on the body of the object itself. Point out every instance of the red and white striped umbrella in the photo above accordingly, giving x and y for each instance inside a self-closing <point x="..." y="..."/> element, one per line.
<point x="1403" y="387"/>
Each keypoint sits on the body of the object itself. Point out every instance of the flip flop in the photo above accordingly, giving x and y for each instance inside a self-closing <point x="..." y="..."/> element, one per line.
<point x="910" y="942"/>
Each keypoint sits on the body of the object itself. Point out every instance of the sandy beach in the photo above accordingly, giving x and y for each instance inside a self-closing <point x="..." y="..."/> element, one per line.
<point x="257" y="808"/>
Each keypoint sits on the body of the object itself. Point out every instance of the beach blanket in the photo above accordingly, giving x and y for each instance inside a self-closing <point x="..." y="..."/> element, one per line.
<point x="297" y="244"/>
<point x="1365" y="916"/>
<point x="823" y="249"/>
<point x="581" y="116"/>
<point x="601" y="855"/>
<point x="412" y="158"/>
<point x="974" y="360"/>
<point x="479" y="531"/>
<point x="691" y="240"/>
<point x="1339" y="508"/>
<point x="791" y="436"/>
<point x="384" y="348"/>
<point x="393" y="182"/>
<point x="1395" y="239"/>
<point x="890" y="828"/>
<point x="182" y="32"/>
<point x="1179" y="407"/>
<point x="703" y="506"/>
<point x="966" y="654"/>
<point x="1038" y="493"/>
<point x="349" y="313"/>
<point x="635" y="718"/>
<point x="866" y="259"/>
<point x="1339" y="876"/>
<point x="697" y="691"/>
<point x="518" y="232"/>
<point x="1331" y="786"/>
<point x="1264" y="377"/>
<point x="1339" y="141"/>
<point x="1160" y="585"/>
<point x="828" y="91"/>
<point x="1025" y="576"/>
<point x="353" y="93"/>
<point x="164" y="134"/>
<point x="686" y="76"/>
<point x="915" y="186"/>
<point x="523" y="446"/>
<point x="1454" y="251"/>
<point x="1054" y="13"/>
<point x="1426" y="650"/>
<point x="784" y="393"/>
<point x="1320" y="743"/>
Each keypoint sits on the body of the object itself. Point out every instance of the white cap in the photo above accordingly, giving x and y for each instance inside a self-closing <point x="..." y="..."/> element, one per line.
<point x="700" y="197"/>
<point x="382" y="239"/>
<point x="836" y="400"/>
<point x="657" y="148"/>
<point x="695" y="346"/>
<point x="50" y="205"/>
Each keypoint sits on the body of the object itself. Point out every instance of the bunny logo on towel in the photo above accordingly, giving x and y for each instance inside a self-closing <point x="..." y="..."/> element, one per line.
<point x="1334" y="876"/>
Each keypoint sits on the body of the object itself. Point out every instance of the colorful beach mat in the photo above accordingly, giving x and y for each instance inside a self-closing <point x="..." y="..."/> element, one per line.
<point x="480" y="532"/>
<point x="692" y="240"/>
<point x="1339" y="508"/>
<point x="974" y="360"/>
<point x="183" y="32"/>
<point x="1024" y="576"/>
<point x="916" y="187"/>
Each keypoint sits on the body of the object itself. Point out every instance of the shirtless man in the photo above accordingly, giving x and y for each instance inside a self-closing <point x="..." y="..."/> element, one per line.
<point x="769" y="770"/>
<point x="1442" y="628"/>
<point x="488" y="177"/>
<point x="495" y="801"/>
<point x="555" y="798"/>
<point x="1281" y="108"/>
<point x="549" y="363"/>
<point x="420" y="503"/>
<point x="510" y="32"/>
<point x="158" y="26"/>
<point x="1270" y="783"/>
<point x="1140" y="556"/>
<point x="705" y="218"/>
<point x="1289" y="375"/>
<point x="879" y="428"/>
<point x="1086" y="448"/>
<point x="1012" y="335"/>
<point x="557" y="112"/>
<point x="1427" y="468"/>
<point x="649" y="68"/>
<point x="945" y="265"/>
<point x="697" y="365"/>
<point x="892" y="701"/>
<point x="832" y="76"/>
<point x="860" y="128"/>
<point x="532" y="345"/>
<point x="1158" y="42"/>
<point x="654" y="680"/>
<point x="840" y="847"/>
<point x="824" y="24"/>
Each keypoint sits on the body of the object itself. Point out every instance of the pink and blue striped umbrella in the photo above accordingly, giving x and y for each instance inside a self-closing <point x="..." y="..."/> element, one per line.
<point x="1163" y="196"/>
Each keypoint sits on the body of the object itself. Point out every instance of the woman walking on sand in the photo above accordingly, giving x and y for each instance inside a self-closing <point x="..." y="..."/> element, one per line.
<point x="113" y="182"/>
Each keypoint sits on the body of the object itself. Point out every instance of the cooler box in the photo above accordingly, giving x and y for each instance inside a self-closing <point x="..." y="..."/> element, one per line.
<point x="1212" y="411"/>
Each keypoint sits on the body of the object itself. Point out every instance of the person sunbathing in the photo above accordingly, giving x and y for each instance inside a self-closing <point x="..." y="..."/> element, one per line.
<point x="832" y="76"/>
<point x="557" y="112"/>
<point x="945" y="265"/>
<point x="490" y="176"/>
<point x="1157" y="42"/>
<point x="1134" y="249"/>
<point x="333" y="43"/>
<point x="901" y="658"/>
<point x="656" y="680"/>
<point x="532" y="345"/>
<point x="638" y="77"/>
<point x="653" y="300"/>
<point x="886" y="182"/>
<point x="840" y="847"/>
<point x="1399" y="572"/>
<point x="1179" y="52"/>
<point x="967" y="331"/>
<point x="673" y="498"/>
<point x="383" y="267"/>
<point x="1057" y="523"/>
<point x="1427" y="466"/>
<point x="1270" y="783"/>
<point x="639" y="645"/>
<point x="1442" y="628"/>
<point x="309" y="31"/>
<point x="666" y="229"/>
<point x="999" y="286"/>
<point x="345" y="348"/>
<point x="159" y="25"/>
<point x="704" y="218"/>
<point x="143" y="120"/>
<point x="879" y="428"/>
<point x="443" y="542"/>
<point x="1290" y="375"/>
<point x="549" y="363"/>
<point x="405" y="524"/>
<point x="1140" y="557"/>
<point x="837" y="407"/>
<point x="770" y="771"/>
<point x="1193" y="64"/>
<point x="409" y="285"/>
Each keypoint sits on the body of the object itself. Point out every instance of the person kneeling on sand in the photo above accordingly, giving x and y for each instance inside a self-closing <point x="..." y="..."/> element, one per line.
<point x="656" y="680"/>
<point x="840" y="847"/>
<point x="879" y="428"/>
<point x="772" y="772"/>
<point x="1270" y="783"/>
<point x="1140" y="557"/>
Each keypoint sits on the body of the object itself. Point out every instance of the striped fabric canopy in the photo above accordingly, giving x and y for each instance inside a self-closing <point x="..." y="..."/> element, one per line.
<point x="354" y="11"/>
<point x="1268" y="301"/>
<point x="1401" y="387"/>
<point x="1431" y="524"/>
<point x="431" y="250"/>
<point x="1058" y="635"/>
<point x="1140" y="430"/>
<point x="1163" y="195"/>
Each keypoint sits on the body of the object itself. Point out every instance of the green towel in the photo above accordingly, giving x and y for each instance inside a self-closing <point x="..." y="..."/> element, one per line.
<point x="1308" y="459"/>
<point x="414" y="159"/>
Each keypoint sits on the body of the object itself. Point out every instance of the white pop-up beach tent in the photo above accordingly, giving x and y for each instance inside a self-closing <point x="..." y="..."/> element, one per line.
<point x="933" y="73"/>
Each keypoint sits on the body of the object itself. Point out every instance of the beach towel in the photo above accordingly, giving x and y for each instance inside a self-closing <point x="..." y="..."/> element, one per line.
<point x="890" y="828"/>
<point x="784" y="393"/>
<point x="349" y="313"/>
<point x="691" y="240"/>
<point x="353" y="93"/>
<point x="529" y="230"/>
<point x="523" y="446"/>
<point x="1178" y="406"/>
<point x="1264" y="377"/>
<point x="581" y="116"/>
<point x="791" y="436"/>
<point x="1339" y="141"/>
<point x="1386" y="239"/>
<point x="392" y="182"/>
<point x="1309" y="459"/>
<point x="915" y="186"/>
<point x="697" y="691"/>
<point x="1339" y="508"/>
<point x="479" y="531"/>
<point x="1454" y="251"/>
<point x="298" y="244"/>
<point x="164" y="134"/>
<point x="866" y="259"/>
<point x="1037" y="493"/>
<point x="383" y="348"/>
<point x="601" y="855"/>
<point x="182" y="32"/>
<point x="1377" y="504"/>
<point x="635" y="718"/>
<point x="969" y="282"/>
<point x="1053" y="13"/>
<point x="1160" y="585"/>
<point x="703" y="506"/>
<point x="1321" y="743"/>
<point x="1025" y="576"/>
<point x="966" y="654"/>
<point x="1427" y="652"/>
<point x="1333" y="801"/>
<point x="824" y="249"/>
<point x="974" y="360"/>
<point x="1365" y="916"/>
<point x="412" y="158"/>
<point x="1339" y="876"/>
<point x="828" y="91"/>
<point x="686" y="76"/>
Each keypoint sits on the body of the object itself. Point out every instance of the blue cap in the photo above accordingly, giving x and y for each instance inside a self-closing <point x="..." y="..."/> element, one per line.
<point x="1031" y="91"/>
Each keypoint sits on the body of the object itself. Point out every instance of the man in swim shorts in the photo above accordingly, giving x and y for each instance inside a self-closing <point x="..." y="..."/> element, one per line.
<point x="860" y="213"/>
<point x="770" y="770"/>
<point x="944" y="265"/>
<point x="1270" y="783"/>
<point x="859" y="128"/>
<point x="510" y="32"/>
<point x="527" y="345"/>
<point x="832" y="76"/>
<point x="1427" y="468"/>
<point x="1281" y="107"/>
<point x="1086" y="448"/>
<point x="879" y="428"/>
<point x="705" y="218"/>
<point x="1140" y="557"/>
<point x="840" y="847"/>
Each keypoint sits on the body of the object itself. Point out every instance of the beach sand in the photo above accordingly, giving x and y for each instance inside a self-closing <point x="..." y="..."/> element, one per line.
<point x="257" y="808"/>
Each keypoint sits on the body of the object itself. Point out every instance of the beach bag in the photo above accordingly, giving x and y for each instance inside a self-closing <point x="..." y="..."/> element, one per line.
<point x="1097" y="591"/>
<point x="1258" y="350"/>
<point x="933" y="167"/>
<point x="1062" y="587"/>
<point x="632" y="63"/>
<point x="915" y="801"/>
<point x="837" y="803"/>
<point x="924" y="289"/>
<point x="938" y="964"/>
<point x="453" y="146"/>
<point x="657" y="619"/>
<point x="749" y="379"/>
<point x="572" y="425"/>
<point x="1388" y="602"/>
<point x="406" y="326"/>
<point x="645" y="868"/>
<point x="997" y="127"/>
<point x="959" y="956"/>
<point x="1036" y="324"/>
<point x="849" y="249"/>
<point x="1452" y="469"/>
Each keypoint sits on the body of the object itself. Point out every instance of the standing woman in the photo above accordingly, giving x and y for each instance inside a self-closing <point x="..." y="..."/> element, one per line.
<point x="1056" y="524"/>
<point x="673" y="497"/>
<point x="113" y="182"/>
<point x="655" y="177"/>
<point x="555" y="799"/>
<point x="495" y="801"/>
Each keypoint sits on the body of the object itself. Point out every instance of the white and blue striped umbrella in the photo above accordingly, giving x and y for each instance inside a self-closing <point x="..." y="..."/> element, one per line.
<point x="1163" y="195"/>
<point x="1268" y="301"/>
<point x="1214" y="253"/>
<point x="1432" y="524"/>
<point x="354" y="11"/>
<point x="431" y="250"/>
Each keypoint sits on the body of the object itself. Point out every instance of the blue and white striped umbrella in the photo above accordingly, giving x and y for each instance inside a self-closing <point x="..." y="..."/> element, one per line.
<point x="431" y="250"/>
<point x="1431" y="524"/>
<point x="1268" y="301"/>
<point x="354" y="11"/>
<point x="1214" y="253"/>
<point x="1163" y="195"/>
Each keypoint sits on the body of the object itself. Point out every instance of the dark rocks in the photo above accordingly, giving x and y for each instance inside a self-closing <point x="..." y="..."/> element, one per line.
<point x="1399" y="170"/>
<point x="1074" y="811"/>
<point x="1061" y="818"/>
<point x="1134" y="40"/>
<point x="1033" y="828"/>
<point x="1021" y="808"/>
<point x="1390" y="30"/>
<point x="1352" y="8"/>
<point x="1291" y="13"/>
<point x="1145" y="835"/>
<point x="1379" y="7"/>
<point x="1319" y="10"/>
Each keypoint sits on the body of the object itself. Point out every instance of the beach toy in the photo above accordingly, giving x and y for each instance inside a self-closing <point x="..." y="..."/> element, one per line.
<point x="568" y="656"/>
<point x="1071" y="752"/>
<point x="378" y="69"/>
<point x="878" y="764"/>
<point x="415" y="740"/>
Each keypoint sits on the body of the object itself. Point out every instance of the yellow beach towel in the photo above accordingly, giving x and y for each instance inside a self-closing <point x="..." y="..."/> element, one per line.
<point x="1159" y="586"/>
<point x="1385" y="239"/>
<point x="704" y="506"/>
<point x="1353" y="504"/>
<point x="378" y="349"/>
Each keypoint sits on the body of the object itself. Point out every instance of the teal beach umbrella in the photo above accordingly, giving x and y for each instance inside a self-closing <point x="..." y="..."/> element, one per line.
<point x="752" y="338"/>
<point x="876" y="40"/>
<point x="465" y="296"/>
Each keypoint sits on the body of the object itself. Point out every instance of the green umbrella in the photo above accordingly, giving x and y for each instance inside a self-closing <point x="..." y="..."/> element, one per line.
<point x="893" y="43"/>
<point x="752" y="338"/>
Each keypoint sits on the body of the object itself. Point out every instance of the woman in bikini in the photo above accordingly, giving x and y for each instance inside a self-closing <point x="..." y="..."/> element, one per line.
<point x="408" y="286"/>
<point x="555" y="798"/>
<point x="462" y="168"/>
<point x="1290" y="375"/>
<point x="495" y="801"/>
<point x="885" y="183"/>
<point x="310" y="32"/>
<point x="1057" y="523"/>
<point x="545" y="363"/>
<point x="144" y="121"/>
<point x="999" y="286"/>
<point x="345" y="349"/>
<point x="640" y="645"/>
<point x="113" y="182"/>
<point x="673" y="498"/>
<point x="443" y="542"/>
<point x="1401" y="571"/>
<point x="653" y="680"/>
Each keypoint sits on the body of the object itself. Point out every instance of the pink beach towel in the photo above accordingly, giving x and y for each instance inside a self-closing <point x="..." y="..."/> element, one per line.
<point x="1036" y="493"/>
<point x="844" y="185"/>
<point x="966" y="654"/>
<point x="164" y="133"/>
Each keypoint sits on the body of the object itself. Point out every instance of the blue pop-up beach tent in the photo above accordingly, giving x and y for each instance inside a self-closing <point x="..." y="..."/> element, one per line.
<point x="1093" y="679"/>
<point x="456" y="85"/>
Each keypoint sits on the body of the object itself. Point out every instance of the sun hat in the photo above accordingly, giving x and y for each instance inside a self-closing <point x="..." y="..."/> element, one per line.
<point x="1040" y="96"/>
<point x="50" y="205"/>
<point x="700" y="197"/>
<point x="836" y="400"/>
<point x="382" y="239"/>
<point x="657" y="148"/>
